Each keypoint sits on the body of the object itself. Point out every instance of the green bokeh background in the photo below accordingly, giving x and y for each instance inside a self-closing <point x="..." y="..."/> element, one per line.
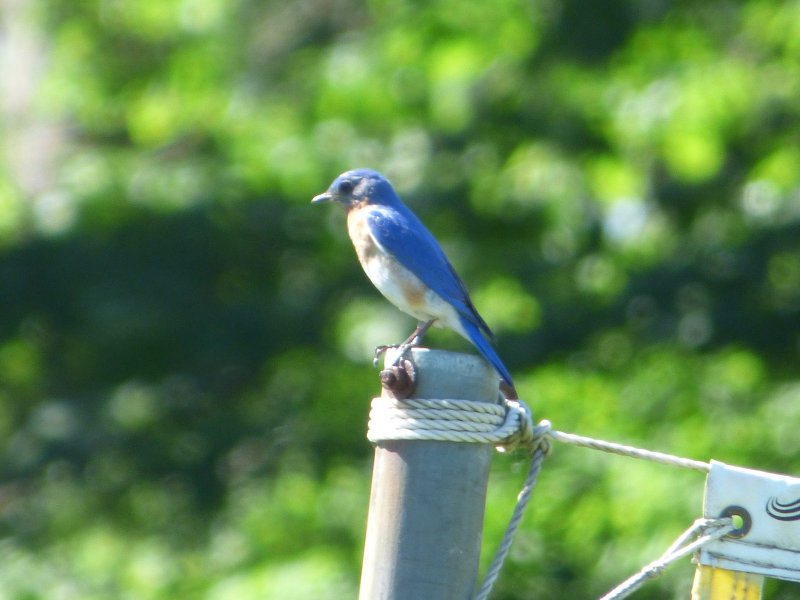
<point x="185" y="342"/>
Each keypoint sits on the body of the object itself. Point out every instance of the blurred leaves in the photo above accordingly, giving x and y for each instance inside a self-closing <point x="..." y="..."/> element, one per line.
<point x="185" y="343"/>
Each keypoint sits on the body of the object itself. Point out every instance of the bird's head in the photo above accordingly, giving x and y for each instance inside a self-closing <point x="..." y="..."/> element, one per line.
<point x="357" y="187"/>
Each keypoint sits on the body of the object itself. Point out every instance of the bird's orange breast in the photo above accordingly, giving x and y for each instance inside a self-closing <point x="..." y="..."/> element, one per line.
<point x="358" y="229"/>
<point x="393" y="280"/>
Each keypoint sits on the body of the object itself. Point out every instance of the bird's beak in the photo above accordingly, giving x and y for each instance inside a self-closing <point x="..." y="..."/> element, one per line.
<point x="323" y="197"/>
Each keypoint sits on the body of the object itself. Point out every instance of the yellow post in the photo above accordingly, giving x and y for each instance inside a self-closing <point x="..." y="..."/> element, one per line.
<point x="721" y="584"/>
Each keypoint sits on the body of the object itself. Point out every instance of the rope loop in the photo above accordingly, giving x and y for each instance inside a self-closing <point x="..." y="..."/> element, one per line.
<point x="702" y="530"/>
<point x="507" y="424"/>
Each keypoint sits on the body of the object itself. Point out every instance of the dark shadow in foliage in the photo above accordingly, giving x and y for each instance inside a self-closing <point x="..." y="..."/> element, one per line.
<point x="186" y="306"/>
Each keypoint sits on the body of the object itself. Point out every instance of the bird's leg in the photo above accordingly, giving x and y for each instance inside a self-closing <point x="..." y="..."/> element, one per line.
<point x="413" y="340"/>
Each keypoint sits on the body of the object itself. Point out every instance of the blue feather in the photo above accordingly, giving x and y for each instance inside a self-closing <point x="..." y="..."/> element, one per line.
<point x="486" y="350"/>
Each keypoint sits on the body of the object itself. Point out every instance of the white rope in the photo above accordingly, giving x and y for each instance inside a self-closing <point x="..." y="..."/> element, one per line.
<point x="631" y="451"/>
<point x="508" y="424"/>
<point x="713" y="528"/>
<point x="516" y="518"/>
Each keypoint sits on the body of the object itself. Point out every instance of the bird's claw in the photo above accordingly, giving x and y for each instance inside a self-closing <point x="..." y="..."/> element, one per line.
<point x="379" y="351"/>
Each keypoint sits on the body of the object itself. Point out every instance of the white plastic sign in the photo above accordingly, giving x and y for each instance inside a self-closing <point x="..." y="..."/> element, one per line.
<point x="768" y="543"/>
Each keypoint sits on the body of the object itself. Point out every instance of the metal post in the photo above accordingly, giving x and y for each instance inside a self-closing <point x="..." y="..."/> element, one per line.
<point x="427" y="502"/>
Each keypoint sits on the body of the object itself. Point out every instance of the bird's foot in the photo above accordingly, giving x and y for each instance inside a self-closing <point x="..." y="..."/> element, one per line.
<point x="398" y="352"/>
<point x="415" y="339"/>
<point x="380" y="351"/>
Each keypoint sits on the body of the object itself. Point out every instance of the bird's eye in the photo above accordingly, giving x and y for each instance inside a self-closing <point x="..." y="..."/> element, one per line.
<point x="345" y="187"/>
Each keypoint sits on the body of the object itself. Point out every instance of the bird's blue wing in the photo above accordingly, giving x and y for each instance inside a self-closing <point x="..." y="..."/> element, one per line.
<point x="486" y="350"/>
<point x="402" y="234"/>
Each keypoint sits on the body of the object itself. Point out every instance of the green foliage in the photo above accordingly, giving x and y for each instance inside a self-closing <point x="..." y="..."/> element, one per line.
<point x="185" y="342"/>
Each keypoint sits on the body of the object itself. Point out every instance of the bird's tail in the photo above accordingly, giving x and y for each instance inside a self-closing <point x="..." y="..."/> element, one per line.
<point x="485" y="348"/>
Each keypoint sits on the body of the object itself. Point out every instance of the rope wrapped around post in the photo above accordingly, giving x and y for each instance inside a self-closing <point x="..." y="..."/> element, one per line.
<point x="508" y="424"/>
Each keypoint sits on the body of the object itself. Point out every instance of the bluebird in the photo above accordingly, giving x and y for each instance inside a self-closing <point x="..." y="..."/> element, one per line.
<point x="406" y="263"/>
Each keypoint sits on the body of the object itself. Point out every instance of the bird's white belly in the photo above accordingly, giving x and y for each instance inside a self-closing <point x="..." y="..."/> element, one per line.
<point x="399" y="285"/>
